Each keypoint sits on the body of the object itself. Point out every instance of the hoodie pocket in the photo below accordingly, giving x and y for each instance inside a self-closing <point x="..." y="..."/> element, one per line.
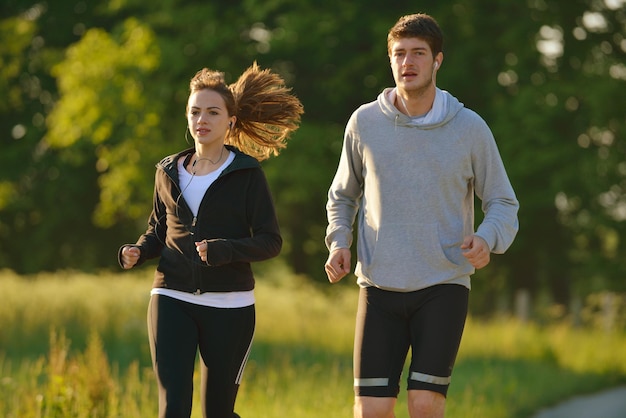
<point x="409" y="251"/>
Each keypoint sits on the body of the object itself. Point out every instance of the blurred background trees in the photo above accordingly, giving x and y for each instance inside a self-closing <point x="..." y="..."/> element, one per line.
<point x="92" y="95"/>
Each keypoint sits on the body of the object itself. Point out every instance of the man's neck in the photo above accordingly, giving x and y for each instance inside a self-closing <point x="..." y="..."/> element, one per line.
<point x="415" y="102"/>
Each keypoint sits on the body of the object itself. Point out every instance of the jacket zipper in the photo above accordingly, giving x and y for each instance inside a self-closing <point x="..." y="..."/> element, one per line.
<point x="192" y="232"/>
<point x="195" y="274"/>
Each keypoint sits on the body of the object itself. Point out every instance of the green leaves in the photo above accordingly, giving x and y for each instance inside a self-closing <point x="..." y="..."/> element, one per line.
<point x="107" y="107"/>
<point x="91" y="97"/>
<point x="20" y="33"/>
<point x="101" y="87"/>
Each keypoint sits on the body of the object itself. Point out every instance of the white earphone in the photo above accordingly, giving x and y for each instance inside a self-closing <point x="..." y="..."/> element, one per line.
<point x="436" y="65"/>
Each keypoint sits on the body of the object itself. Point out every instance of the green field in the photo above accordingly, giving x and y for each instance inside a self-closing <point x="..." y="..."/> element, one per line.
<point x="75" y="345"/>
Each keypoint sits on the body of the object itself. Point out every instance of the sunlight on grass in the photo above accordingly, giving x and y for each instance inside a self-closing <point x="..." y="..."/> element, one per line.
<point x="577" y="349"/>
<point x="59" y="328"/>
<point x="298" y="312"/>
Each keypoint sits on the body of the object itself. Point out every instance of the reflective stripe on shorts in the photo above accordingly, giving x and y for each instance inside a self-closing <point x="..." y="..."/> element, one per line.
<point x="428" y="378"/>
<point x="375" y="381"/>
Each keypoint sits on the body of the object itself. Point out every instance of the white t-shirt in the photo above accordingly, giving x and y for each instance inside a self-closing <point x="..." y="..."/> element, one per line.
<point x="194" y="187"/>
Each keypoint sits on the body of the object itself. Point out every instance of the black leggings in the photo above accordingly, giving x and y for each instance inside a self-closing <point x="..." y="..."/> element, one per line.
<point x="176" y="330"/>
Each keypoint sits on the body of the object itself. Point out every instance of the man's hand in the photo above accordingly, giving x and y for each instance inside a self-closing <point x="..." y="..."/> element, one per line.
<point x="338" y="264"/>
<point x="476" y="250"/>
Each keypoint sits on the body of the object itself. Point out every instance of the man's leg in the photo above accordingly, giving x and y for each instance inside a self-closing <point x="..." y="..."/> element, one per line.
<point x="380" y="347"/>
<point x="371" y="407"/>
<point x="426" y="404"/>
<point x="436" y="329"/>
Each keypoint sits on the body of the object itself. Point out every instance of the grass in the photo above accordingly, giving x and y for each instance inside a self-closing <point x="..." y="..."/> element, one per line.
<point x="75" y="345"/>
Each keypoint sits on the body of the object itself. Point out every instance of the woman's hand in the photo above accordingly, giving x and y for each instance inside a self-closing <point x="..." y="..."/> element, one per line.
<point x="130" y="256"/>
<point x="201" y="248"/>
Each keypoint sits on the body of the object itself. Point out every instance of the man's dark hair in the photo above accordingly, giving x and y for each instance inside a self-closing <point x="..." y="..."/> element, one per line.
<point x="418" y="25"/>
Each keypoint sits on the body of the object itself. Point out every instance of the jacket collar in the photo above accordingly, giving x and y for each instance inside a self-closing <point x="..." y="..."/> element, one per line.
<point x="242" y="161"/>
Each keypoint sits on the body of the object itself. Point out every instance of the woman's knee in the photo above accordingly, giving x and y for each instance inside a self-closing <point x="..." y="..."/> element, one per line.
<point x="173" y="406"/>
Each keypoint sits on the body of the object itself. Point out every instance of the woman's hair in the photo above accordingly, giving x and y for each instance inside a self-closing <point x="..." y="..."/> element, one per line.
<point x="420" y="26"/>
<point x="267" y="113"/>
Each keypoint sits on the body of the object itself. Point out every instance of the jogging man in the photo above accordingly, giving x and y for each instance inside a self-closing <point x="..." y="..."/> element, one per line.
<point x="412" y="162"/>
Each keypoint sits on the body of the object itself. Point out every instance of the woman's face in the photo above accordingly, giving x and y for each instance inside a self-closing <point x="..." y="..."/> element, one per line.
<point x="207" y="117"/>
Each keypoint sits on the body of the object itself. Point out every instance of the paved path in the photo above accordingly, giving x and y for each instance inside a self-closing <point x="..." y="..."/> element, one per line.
<point x="606" y="404"/>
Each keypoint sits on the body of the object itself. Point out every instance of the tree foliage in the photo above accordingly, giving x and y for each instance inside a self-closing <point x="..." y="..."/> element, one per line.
<point x="92" y="95"/>
<point x="105" y="110"/>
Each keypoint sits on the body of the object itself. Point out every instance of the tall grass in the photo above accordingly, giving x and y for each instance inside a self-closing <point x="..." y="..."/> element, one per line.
<point x="75" y="345"/>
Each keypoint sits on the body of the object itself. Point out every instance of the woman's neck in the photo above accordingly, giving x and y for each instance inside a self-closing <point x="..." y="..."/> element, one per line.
<point x="205" y="160"/>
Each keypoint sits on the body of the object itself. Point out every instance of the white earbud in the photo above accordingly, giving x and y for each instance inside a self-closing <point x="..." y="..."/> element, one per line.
<point x="436" y="65"/>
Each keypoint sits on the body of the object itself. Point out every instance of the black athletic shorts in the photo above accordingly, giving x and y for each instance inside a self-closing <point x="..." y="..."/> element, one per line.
<point x="430" y="321"/>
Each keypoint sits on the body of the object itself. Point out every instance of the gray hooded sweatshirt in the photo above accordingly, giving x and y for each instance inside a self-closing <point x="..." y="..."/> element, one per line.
<point x="412" y="182"/>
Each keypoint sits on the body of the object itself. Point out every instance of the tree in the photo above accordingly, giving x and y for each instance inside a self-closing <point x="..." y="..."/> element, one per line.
<point x="79" y="147"/>
<point x="559" y="139"/>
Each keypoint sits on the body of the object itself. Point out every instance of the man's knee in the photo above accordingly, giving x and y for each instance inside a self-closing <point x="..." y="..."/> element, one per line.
<point x="373" y="407"/>
<point x="426" y="404"/>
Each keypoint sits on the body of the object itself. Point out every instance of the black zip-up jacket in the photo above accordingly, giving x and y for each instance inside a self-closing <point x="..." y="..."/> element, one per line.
<point x="236" y="217"/>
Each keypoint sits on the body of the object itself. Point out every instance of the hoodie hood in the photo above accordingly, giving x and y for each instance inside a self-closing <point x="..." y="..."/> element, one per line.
<point x="445" y="107"/>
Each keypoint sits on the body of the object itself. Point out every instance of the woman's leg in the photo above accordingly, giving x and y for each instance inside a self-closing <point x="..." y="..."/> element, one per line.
<point x="173" y="345"/>
<point x="225" y="340"/>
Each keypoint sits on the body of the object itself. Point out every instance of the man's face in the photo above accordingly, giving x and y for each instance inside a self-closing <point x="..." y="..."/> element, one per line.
<point x="412" y="63"/>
